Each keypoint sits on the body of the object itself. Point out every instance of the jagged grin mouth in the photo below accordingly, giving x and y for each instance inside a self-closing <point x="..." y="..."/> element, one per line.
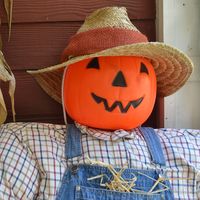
<point x="133" y="103"/>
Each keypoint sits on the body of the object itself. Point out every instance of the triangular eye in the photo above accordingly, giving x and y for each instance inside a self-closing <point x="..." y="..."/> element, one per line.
<point x="94" y="63"/>
<point x="143" y="68"/>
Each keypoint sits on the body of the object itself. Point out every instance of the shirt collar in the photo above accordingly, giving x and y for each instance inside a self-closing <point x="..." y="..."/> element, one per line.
<point x="107" y="135"/>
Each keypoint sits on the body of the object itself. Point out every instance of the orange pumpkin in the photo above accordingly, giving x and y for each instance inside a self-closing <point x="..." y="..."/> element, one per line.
<point x="110" y="92"/>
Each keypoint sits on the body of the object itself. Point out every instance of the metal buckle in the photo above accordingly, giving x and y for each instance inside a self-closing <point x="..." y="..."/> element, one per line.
<point x="74" y="169"/>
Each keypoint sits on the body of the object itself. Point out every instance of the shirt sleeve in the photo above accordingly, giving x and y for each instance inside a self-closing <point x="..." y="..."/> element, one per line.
<point x="19" y="175"/>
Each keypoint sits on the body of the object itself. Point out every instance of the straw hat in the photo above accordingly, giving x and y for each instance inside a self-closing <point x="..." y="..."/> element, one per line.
<point x="109" y="32"/>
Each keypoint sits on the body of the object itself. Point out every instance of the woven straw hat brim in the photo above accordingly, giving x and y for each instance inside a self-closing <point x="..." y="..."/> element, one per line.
<point x="172" y="67"/>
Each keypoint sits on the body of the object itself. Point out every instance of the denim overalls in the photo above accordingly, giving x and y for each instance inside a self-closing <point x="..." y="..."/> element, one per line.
<point x="76" y="186"/>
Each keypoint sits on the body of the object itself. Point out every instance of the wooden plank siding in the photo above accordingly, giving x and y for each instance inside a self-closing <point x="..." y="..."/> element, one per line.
<point x="34" y="45"/>
<point x="75" y="10"/>
<point x="40" y="31"/>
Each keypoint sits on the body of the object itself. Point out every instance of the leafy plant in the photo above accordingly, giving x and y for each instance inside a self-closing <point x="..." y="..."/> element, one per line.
<point x="6" y="74"/>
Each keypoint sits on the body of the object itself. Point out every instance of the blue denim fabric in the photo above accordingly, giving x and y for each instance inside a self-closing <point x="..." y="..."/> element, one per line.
<point x="73" y="144"/>
<point x="76" y="186"/>
<point x="153" y="143"/>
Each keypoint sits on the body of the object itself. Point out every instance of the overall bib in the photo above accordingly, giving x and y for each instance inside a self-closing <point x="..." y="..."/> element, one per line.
<point x="76" y="186"/>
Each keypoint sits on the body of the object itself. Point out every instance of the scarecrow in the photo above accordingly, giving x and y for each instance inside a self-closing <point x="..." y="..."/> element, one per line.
<point x="110" y="76"/>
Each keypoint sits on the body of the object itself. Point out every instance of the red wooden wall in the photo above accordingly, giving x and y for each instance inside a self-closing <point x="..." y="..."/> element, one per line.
<point x="40" y="31"/>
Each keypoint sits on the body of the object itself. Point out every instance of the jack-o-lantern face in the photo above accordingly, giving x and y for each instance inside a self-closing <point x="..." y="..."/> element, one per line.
<point x="110" y="92"/>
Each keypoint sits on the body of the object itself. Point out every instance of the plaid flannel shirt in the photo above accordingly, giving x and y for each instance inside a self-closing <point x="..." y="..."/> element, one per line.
<point x="32" y="160"/>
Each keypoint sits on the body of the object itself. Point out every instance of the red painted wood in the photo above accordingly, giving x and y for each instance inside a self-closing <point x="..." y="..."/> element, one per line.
<point x="40" y="44"/>
<point x="54" y="119"/>
<point x="31" y="102"/>
<point x="74" y="10"/>
<point x="159" y="113"/>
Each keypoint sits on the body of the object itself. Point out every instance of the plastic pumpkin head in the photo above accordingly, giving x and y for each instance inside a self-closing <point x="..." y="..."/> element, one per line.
<point x="110" y="92"/>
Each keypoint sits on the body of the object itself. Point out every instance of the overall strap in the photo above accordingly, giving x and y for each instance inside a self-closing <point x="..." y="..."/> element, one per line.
<point x="73" y="142"/>
<point x="154" y="145"/>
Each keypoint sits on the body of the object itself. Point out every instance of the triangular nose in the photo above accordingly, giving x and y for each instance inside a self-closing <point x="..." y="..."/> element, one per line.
<point x="119" y="80"/>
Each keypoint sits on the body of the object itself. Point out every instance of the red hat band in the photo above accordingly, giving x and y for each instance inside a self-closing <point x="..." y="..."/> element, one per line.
<point x="96" y="40"/>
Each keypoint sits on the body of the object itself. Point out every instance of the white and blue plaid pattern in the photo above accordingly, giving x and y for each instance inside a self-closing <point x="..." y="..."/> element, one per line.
<point x="32" y="158"/>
